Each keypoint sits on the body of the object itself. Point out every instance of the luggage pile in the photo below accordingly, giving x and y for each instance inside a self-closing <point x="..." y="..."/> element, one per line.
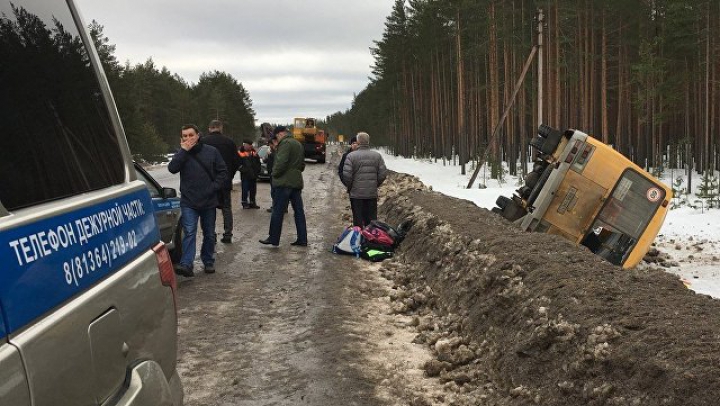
<point x="375" y="242"/>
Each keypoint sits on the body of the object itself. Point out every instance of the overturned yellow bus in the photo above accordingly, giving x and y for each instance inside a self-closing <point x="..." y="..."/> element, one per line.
<point x="585" y="191"/>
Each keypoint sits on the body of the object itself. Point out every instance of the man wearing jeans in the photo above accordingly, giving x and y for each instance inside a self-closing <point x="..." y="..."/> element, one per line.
<point x="287" y="182"/>
<point x="202" y="174"/>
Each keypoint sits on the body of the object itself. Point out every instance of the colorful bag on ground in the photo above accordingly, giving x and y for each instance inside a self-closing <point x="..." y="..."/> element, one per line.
<point x="349" y="242"/>
<point x="375" y="255"/>
<point x="392" y="231"/>
<point x="376" y="237"/>
<point x="396" y="233"/>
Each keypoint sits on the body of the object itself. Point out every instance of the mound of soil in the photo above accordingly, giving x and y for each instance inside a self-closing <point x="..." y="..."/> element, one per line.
<point x="518" y="318"/>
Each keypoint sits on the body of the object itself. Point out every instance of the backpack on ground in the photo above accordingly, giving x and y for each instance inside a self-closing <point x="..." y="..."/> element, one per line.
<point x="383" y="236"/>
<point x="396" y="233"/>
<point x="377" y="238"/>
<point x="385" y="226"/>
<point x="349" y="242"/>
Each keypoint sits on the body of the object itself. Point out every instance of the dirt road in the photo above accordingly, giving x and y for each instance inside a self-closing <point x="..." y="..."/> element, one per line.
<point x="289" y="325"/>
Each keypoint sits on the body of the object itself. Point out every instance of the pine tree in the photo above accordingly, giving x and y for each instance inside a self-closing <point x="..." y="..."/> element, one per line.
<point x="679" y="193"/>
<point x="104" y="48"/>
<point x="659" y="168"/>
<point x="154" y="103"/>
<point x="707" y="189"/>
<point x="641" y="75"/>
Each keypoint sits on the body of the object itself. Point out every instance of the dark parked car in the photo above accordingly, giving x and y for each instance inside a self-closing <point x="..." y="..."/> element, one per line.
<point x="166" y="207"/>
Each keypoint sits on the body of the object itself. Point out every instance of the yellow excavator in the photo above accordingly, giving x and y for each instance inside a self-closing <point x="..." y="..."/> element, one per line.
<point x="312" y="138"/>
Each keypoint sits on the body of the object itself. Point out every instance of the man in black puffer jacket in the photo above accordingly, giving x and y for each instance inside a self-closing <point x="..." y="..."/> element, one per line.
<point x="228" y="150"/>
<point x="202" y="174"/>
<point x="363" y="172"/>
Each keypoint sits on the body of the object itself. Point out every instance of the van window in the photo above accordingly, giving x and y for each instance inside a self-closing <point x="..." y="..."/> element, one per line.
<point x="57" y="140"/>
<point x="153" y="188"/>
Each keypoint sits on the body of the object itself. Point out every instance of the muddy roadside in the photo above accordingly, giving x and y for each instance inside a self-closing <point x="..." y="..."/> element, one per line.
<point x="518" y="319"/>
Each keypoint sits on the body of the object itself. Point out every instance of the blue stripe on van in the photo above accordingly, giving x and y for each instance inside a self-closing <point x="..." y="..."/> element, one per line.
<point x="166" y="204"/>
<point x="52" y="260"/>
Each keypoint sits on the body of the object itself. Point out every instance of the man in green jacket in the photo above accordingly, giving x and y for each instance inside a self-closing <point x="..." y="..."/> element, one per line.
<point x="287" y="182"/>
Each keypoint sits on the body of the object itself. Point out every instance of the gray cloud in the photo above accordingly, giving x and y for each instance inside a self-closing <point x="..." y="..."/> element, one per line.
<point x="294" y="57"/>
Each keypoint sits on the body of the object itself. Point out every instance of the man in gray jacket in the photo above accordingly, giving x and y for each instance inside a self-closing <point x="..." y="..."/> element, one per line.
<point x="364" y="171"/>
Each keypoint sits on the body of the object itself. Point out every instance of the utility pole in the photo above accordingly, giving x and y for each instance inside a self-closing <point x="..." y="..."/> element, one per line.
<point x="535" y="50"/>
<point x="541" y="22"/>
<point x="500" y="123"/>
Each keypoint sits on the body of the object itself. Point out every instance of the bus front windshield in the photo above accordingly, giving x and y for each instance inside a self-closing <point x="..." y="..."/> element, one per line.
<point x="624" y="217"/>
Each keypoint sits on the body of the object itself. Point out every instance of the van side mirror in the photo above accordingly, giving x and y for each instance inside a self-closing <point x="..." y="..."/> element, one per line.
<point x="168" y="192"/>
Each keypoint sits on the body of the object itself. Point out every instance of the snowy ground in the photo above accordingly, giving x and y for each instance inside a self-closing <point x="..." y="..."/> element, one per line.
<point x="690" y="237"/>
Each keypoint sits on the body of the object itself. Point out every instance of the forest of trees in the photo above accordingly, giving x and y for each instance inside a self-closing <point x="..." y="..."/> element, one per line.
<point x="154" y="103"/>
<point x="641" y="75"/>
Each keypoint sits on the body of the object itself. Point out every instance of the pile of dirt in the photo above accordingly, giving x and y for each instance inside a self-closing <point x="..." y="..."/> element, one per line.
<point x="517" y="318"/>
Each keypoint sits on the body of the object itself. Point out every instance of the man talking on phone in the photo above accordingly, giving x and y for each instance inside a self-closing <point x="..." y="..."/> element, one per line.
<point x="202" y="174"/>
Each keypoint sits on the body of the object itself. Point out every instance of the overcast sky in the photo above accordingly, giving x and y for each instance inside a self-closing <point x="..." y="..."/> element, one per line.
<point x="295" y="57"/>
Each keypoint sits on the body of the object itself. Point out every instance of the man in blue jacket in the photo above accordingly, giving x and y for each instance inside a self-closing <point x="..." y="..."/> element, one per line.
<point x="202" y="175"/>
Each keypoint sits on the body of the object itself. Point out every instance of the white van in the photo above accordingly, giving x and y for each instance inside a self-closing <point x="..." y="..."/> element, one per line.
<point x="87" y="288"/>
